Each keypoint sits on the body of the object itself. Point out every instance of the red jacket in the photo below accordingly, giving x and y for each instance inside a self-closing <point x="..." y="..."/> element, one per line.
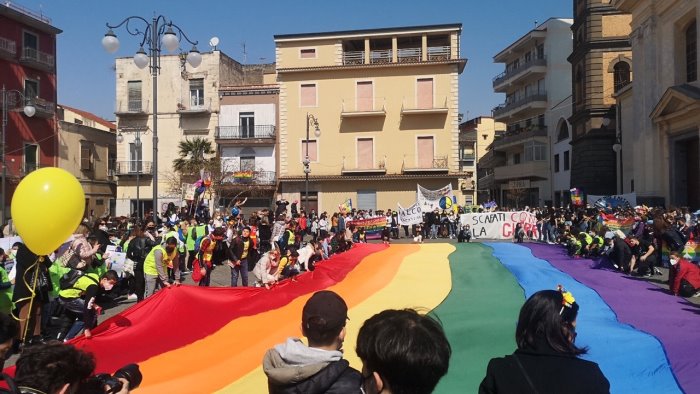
<point x="685" y="270"/>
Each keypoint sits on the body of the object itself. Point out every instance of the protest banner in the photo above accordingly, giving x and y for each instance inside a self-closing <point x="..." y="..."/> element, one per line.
<point x="188" y="191"/>
<point x="614" y="201"/>
<point x="690" y="252"/>
<point x="430" y="200"/>
<point x="499" y="225"/>
<point x="411" y="215"/>
<point x="373" y="226"/>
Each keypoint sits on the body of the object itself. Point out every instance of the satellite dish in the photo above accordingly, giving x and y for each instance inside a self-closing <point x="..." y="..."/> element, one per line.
<point x="213" y="42"/>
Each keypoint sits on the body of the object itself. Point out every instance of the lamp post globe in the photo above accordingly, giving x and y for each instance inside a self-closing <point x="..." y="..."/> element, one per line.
<point x="110" y="42"/>
<point x="169" y="40"/>
<point x="141" y="59"/>
<point x="29" y="110"/>
<point x="194" y="58"/>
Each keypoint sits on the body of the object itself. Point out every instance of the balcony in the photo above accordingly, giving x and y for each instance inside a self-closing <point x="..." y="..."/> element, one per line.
<point x="194" y="106"/>
<point x="380" y="56"/>
<point x="8" y="48"/>
<point x="519" y="137"/>
<point x="403" y="55"/>
<point x="134" y="167"/>
<point x="44" y="109"/>
<point x="250" y="177"/>
<point x="486" y="182"/>
<point x="424" y="110"/>
<point x="409" y="55"/>
<point x="437" y="165"/>
<point x="132" y="108"/>
<point x="351" y="58"/>
<point x="507" y="78"/>
<point x="521" y="108"/>
<point x="492" y="159"/>
<point x="246" y="135"/>
<point x="364" y="168"/>
<point x="362" y="108"/>
<point x="530" y="170"/>
<point x="438" y="53"/>
<point x="37" y="59"/>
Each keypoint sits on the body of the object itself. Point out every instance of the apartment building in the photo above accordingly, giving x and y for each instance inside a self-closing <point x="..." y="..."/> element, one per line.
<point x="88" y="150"/>
<point x="28" y="75"/>
<point x="600" y="65"/>
<point x="188" y="108"/>
<point x="373" y="113"/>
<point x="247" y="143"/>
<point x="476" y="137"/>
<point x="659" y="110"/>
<point x="537" y="85"/>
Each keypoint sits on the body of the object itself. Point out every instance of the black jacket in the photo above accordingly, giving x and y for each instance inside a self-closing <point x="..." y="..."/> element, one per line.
<point x="549" y="372"/>
<point x="337" y="378"/>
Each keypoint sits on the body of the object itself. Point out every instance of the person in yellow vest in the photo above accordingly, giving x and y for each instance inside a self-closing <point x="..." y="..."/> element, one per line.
<point x="79" y="305"/>
<point x="174" y="233"/>
<point x="156" y="265"/>
<point x="241" y="251"/>
<point x="206" y="253"/>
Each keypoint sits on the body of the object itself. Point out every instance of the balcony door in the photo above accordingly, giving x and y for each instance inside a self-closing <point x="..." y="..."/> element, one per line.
<point x="426" y="152"/>
<point x="424" y="93"/>
<point x="31" y="158"/>
<point x="365" y="96"/>
<point x="365" y="153"/>
<point x="247" y="124"/>
<point x="135" y="159"/>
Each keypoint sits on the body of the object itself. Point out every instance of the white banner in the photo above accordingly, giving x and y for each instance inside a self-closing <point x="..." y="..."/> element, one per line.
<point x="499" y="225"/>
<point x="613" y="201"/>
<point x="411" y="215"/>
<point x="430" y="200"/>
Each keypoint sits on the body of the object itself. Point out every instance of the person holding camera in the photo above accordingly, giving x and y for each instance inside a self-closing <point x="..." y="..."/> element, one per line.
<point x="79" y="304"/>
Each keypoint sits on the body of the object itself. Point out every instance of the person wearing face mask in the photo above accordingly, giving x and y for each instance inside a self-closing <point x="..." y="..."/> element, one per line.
<point x="156" y="265"/>
<point x="683" y="277"/>
<point x="79" y="305"/>
<point x="241" y="250"/>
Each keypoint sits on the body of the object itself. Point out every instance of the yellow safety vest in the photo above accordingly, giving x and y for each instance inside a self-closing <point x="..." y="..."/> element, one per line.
<point x="80" y="286"/>
<point x="149" y="264"/>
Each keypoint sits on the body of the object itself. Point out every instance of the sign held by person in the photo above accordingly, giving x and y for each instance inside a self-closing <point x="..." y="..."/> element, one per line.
<point x="411" y="215"/>
<point x="499" y="225"/>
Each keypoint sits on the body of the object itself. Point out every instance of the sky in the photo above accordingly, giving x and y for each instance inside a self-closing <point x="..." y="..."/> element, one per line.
<point x="85" y="70"/>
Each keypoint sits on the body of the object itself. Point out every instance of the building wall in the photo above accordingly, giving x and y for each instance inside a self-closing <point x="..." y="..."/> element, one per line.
<point x="264" y="157"/>
<point x="265" y="114"/>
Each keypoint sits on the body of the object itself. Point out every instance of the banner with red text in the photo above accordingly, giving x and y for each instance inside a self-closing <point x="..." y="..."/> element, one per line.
<point x="373" y="226"/>
<point x="499" y="225"/>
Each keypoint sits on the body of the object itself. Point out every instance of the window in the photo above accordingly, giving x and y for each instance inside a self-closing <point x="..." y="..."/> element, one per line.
<point x="516" y="158"/>
<point x="691" y="52"/>
<point x="307" y="53"/>
<point x="566" y="161"/>
<point x="31" y="158"/>
<point x="424" y="93"/>
<point x="466" y="153"/>
<point x="621" y="75"/>
<point x="556" y="163"/>
<point x="134" y="95"/>
<point x="535" y="151"/>
<point x="247" y="163"/>
<point x="85" y="156"/>
<point x="31" y="90"/>
<point x="365" y="153"/>
<point x="135" y="158"/>
<point x="365" y="96"/>
<point x="563" y="132"/>
<point x="367" y="200"/>
<point x="540" y="51"/>
<point x="31" y="41"/>
<point x="77" y="121"/>
<point x="308" y="95"/>
<point x="469" y="200"/>
<point x="426" y="149"/>
<point x="578" y="86"/>
<point x="309" y="148"/>
<point x="196" y="92"/>
<point x="247" y="124"/>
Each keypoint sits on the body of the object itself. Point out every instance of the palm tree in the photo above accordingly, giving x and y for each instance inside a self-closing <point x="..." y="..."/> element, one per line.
<point x="194" y="156"/>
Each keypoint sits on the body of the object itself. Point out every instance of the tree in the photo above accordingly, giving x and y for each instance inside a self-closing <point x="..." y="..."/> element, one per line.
<point x="194" y="157"/>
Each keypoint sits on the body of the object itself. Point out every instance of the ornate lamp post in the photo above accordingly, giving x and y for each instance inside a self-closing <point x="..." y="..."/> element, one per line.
<point x="9" y="99"/>
<point x="156" y="34"/>
<point x="310" y="120"/>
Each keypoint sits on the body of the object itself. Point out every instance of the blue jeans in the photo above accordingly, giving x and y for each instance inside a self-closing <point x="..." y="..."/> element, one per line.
<point x="241" y="269"/>
<point x="433" y="230"/>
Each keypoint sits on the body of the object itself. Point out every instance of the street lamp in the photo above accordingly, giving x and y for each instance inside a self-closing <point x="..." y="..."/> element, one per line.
<point x="157" y="34"/>
<point x="310" y="120"/>
<point x="138" y="162"/>
<point x="29" y="110"/>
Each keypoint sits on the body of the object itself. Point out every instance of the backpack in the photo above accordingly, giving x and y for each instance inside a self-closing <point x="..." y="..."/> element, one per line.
<point x="676" y="240"/>
<point x="70" y="278"/>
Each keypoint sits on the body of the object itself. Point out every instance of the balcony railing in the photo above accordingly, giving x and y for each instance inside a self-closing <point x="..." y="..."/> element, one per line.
<point x="363" y="107"/>
<point x="250" y="177"/>
<point x="133" y="167"/>
<point x="380" y="56"/>
<point x="528" y="169"/>
<point x="353" y="57"/>
<point x="409" y="54"/>
<point x="414" y="109"/>
<point x="195" y="105"/>
<point x="439" y="53"/>
<point x="507" y="107"/>
<point x="44" y="108"/>
<point x="245" y="132"/>
<point x="379" y="168"/>
<point x="8" y="47"/>
<point x="37" y="58"/>
<point x="520" y="135"/>
<point x="437" y="164"/>
<point x="500" y="78"/>
<point x="132" y="107"/>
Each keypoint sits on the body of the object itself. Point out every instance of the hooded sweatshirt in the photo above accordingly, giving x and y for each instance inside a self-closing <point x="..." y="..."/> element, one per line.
<point x="293" y="367"/>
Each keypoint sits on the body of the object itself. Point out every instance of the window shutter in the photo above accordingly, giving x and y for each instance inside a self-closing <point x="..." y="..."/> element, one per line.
<point x="425" y="152"/>
<point x="85" y="159"/>
<point x="365" y="97"/>
<point x="308" y="95"/>
<point x="365" y="153"/>
<point x="424" y="93"/>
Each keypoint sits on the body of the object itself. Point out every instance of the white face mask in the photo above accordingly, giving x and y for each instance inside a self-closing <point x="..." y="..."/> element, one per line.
<point x="674" y="261"/>
<point x="103" y="228"/>
<point x="108" y="286"/>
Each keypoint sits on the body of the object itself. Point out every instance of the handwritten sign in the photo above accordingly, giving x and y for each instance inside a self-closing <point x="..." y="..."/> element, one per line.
<point x="499" y="225"/>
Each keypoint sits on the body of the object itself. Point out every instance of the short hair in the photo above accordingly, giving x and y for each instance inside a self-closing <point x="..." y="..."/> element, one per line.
<point x="408" y="350"/>
<point x="542" y="317"/>
<point x="171" y="241"/>
<point x="110" y="275"/>
<point x="48" y="367"/>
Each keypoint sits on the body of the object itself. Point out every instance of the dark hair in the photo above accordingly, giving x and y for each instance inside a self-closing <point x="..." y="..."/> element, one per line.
<point x="8" y="328"/>
<point x="110" y="275"/>
<point x="48" y="367"/>
<point x="541" y="320"/>
<point x="408" y="350"/>
<point x="171" y="241"/>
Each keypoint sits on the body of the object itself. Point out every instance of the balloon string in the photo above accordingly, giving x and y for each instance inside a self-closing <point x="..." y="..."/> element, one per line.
<point x="32" y="292"/>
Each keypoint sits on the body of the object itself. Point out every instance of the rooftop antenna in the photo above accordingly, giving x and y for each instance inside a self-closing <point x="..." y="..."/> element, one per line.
<point x="213" y="42"/>
<point x="245" y="53"/>
<point x="535" y="23"/>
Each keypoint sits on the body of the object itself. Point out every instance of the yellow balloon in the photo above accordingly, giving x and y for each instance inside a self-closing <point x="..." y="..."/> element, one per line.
<point x="47" y="207"/>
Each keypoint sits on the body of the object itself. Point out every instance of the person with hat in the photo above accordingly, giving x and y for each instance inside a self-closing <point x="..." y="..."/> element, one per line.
<point x="241" y="250"/>
<point x="293" y="367"/>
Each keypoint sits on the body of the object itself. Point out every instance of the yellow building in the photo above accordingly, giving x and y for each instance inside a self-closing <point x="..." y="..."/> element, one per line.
<point x="476" y="137"/>
<point x="386" y="103"/>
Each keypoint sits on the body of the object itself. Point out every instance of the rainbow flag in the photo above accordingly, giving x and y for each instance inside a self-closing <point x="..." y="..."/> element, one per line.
<point x="190" y="339"/>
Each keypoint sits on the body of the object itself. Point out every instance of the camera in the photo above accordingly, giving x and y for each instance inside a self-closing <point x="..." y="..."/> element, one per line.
<point x="108" y="384"/>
